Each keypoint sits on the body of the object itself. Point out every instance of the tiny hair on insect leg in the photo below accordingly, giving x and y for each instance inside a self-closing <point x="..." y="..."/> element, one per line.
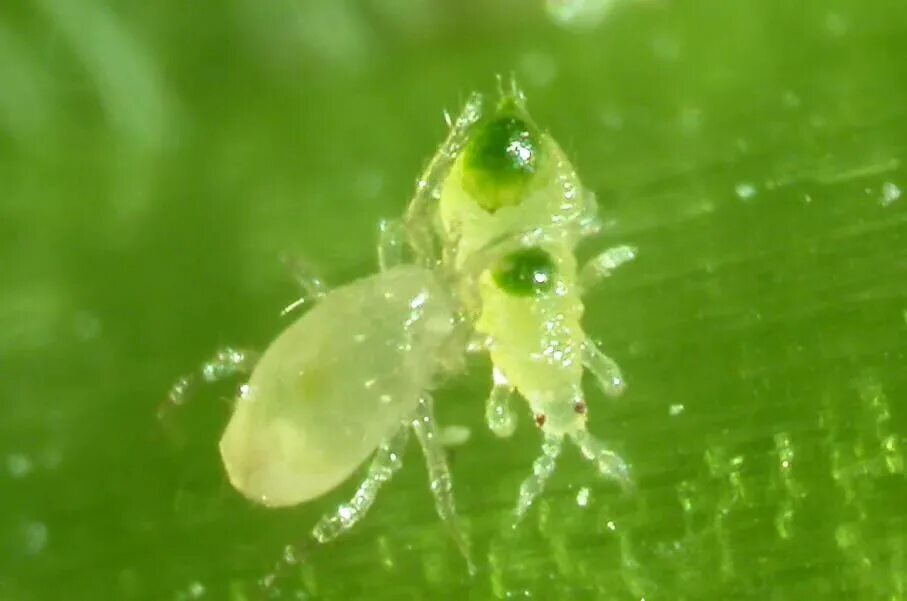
<point x="391" y="242"/>
<point x="441" y="484"/>
<point x="226" y="363"/>
<point x="603" y="264"/>
<point x="608" y="463"/>
<point x="499" y="414"/>
<point x="419" y="218"/>
<point x="312" y="287"/>
<point x="605" y="369"/>
<point x="542" y="469"/>
<point x="385" y="463"/>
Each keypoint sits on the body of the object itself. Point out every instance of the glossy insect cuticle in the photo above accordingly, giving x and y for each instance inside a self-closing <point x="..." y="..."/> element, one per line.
<point x="500" y="162"/>
<point x="364" y="359"/>
<point x="526" y="272"/>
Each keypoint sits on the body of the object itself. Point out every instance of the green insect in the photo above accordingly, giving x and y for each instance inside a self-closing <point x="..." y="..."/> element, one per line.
<point x="490" y="235"/>
<point x="346" y="381"/>
<point x="508" y="210"/>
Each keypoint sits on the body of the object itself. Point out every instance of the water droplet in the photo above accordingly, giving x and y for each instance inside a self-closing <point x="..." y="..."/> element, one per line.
<point x="538" y="67"/>
<point x="745" y="191"/>
<point x="582" y="497"/>
<point x="18" y="465"/>
<point x="196" y="590"/>
<point x="34" y="537"/>
<point x="579" y="13"/>
<point x="847" y="535"/>
<point x="890" y="193"/>
<point x="454" y="435"/>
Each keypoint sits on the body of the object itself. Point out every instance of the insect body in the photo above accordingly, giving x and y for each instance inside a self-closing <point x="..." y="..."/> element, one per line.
<point x="510" y="178"/>
<point x="335" y="384"/>
<point x="346" y="380"/>
<point x="491" y="232"/>
<point x="512" y="204"/>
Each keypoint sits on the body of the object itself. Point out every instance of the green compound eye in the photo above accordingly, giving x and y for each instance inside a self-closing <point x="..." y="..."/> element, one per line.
<point x="500" y="161"/>
<point x="525" y="272"/>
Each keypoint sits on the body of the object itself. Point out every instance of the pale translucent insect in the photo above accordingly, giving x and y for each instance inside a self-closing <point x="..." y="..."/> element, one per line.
<point x="344" y="381"/>
<point x="491" y="232"/>
<point x="509" y="201"/>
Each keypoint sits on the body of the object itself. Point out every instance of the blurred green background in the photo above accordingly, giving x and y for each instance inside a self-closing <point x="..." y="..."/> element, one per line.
<point x="157" y="158"/>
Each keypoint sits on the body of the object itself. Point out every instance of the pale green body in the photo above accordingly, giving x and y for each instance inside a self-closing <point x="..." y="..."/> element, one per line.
<point x="536" y="342"/>
<point x="335" y="384"/>
<point x="508" y="210"/>
<point x="557" y="202"/>
<point x="349" y="378"/>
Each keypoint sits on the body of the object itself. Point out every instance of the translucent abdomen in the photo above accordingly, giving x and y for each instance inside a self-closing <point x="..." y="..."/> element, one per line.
<point x="334" y="384"/>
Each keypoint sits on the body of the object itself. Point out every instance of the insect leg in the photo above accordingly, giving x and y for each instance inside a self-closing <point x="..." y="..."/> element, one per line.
<point x="391" y="239"/>
<point x="499" y="414"/>
<point x="438" y="473"/>
<point x="422" y="210"/>
<point x="600" y="266"/>
<point x="604" y="368"/>
<point x="385" y="463"/>
<point x="589" y="223"/>
<point x="542" y="468"/>
<point x="608" y="463"/>
<point x="226" y="363"/>
<point x="313" y="287"/>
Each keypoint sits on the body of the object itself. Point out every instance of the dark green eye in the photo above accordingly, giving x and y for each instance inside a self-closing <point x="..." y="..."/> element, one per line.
<point x="525" y="272"/>
<point x="500" y="161"/>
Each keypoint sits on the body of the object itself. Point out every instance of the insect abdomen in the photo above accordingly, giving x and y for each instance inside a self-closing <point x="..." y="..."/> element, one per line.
<point x="334" y="384"/>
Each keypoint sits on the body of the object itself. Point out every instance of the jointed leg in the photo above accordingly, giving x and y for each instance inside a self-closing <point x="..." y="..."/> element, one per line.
<point x="499" y="414"/>
<point x="226" y="363"/>
<point x="391" y="240"/>
<point x="600" y="266"/>
<point x="438" y="473"/>
<point x="542" y="468"/>
<point x="386" y="461"/>
<point x="589" y="222"/>
<point x="313" y="287"/>
<point x="422" y="209"/>
<point x="608" y="463"/>
<point x="604" y="368"/>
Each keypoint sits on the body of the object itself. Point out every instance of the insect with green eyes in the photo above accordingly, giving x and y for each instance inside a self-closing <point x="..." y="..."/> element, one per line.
<point x="490" y="235"/>
<point x="511" y="208"/>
